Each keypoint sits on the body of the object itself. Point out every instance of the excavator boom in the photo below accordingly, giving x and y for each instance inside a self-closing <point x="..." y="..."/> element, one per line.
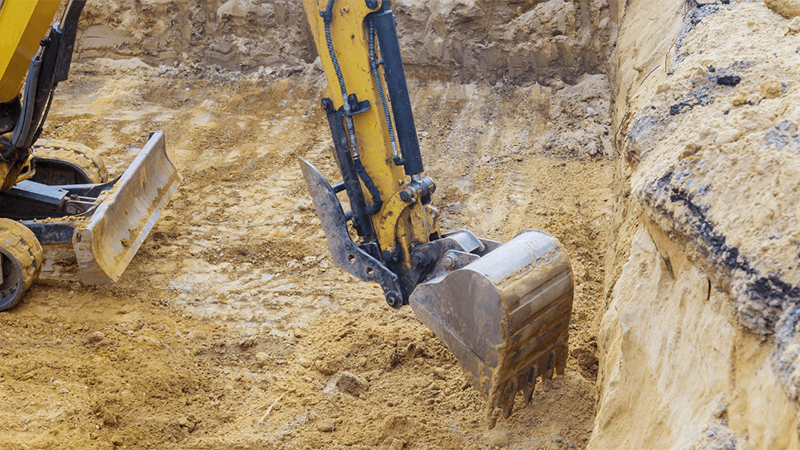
<point x="502" y="309"/>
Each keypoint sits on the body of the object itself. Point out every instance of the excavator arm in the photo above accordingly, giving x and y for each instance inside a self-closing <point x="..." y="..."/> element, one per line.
<point x="502" y="309"/>
<point x="391" y="216"/>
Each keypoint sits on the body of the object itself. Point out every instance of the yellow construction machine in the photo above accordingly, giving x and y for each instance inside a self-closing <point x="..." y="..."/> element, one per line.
<point x="502" y="309"/>
<point x="56" y="194"/>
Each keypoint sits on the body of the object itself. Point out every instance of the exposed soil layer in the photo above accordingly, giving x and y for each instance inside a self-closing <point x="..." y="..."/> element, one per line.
<point x="520" y="42"/>
<point x="232" y="328"/>
<point x="700" y="340"/>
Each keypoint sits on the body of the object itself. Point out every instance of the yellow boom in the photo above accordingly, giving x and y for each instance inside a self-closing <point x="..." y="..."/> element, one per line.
<point x="23" y="24"/>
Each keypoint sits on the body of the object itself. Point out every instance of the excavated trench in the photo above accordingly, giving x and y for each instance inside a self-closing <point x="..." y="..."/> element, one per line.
<point x="612" y="125"/>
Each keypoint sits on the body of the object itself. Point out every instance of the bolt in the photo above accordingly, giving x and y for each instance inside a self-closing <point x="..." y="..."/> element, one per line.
<point x="419" y="260"/>
<point x="416" y="259"/>
<point x="405" y="195"/>
<point x="394" y="299"/>
<point x="327" y="105"/>
<point x="449" y="262"/>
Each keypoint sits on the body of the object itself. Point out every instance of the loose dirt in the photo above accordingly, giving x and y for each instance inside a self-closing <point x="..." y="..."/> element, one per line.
<point x="232" y="328"/>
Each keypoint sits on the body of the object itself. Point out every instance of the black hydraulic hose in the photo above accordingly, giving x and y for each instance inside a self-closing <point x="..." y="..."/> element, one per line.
<point x="22" y="129"/>
<point x="327" y="17"/>
<point x="379" y="81"/>
<point x="377" y="203"/>
<point x="44" y="117"/>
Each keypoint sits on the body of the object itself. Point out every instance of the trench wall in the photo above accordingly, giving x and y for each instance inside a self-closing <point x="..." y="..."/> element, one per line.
<point x="698" y="345"/>
<point x="519" y="42"/>
<point x="233" y="34"/>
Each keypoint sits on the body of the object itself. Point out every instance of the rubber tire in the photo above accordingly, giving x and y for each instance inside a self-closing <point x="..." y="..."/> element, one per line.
<point x="69" y="156"/>
<point x="22" y="261"/>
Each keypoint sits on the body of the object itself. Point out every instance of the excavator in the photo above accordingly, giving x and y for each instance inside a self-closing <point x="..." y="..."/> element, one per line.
<point x="56" y="195"/>
<point x="502" y="309"/>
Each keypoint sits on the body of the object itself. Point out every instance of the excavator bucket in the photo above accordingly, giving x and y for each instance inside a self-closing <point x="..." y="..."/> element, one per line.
<point x="504" y="315"/>
<point x="105" y="243"/>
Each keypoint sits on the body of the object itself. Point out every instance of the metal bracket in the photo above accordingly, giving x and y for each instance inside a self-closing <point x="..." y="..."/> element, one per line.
<point x="51" y="232"/>
<point x="414" y="192"/>
<point x="392" y="211"/>
<point x="31" y="191"/>
<point x="36" y="200"/>
<point x="451" y="252"/>
<point x="345" y="253"/>
<point x="350" y="181"/>
<point x="356" y="107"/>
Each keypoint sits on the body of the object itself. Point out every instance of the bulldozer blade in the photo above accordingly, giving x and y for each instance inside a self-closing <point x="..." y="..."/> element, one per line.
<point x="505" y="316"/>
<point x="105" y="243"/>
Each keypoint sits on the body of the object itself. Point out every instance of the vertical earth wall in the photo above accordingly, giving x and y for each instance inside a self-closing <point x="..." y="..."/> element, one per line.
<point x="518" y="42"/>
<point x="699" y="343"/>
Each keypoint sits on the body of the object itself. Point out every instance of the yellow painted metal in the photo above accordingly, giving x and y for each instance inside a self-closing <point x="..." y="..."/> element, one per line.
<point x="411" y="222"/>
<point x="12" y="172"/>
<point x="23" y="24"/>
<point x="27" y="171"/>
<point x="394" y="212"/>
<point x="5" y="176"/>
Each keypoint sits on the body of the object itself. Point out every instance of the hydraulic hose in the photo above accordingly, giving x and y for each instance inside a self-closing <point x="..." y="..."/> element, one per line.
<point x="377" y="203"/>
<point x="327" y="16"/>
<point x="373" y="190"/>
<point x="379" y="81"/>
<point x="22" y="130"/>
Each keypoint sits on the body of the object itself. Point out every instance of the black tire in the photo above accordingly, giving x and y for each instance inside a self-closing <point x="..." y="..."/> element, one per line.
<point x="62" y="162"/>
<point x="22" y="259"/>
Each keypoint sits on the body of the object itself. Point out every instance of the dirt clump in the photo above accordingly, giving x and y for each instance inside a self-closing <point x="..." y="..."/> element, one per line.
<point x="788" y="8"/>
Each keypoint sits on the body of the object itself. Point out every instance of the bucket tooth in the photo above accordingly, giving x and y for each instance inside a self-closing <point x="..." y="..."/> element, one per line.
<point x="505" y="316"/>
<point x="526" y="383"/>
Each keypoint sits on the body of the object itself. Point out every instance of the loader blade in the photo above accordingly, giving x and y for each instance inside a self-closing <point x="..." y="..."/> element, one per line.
<point x="505" y="316"/>
<point x="105" y="244"/>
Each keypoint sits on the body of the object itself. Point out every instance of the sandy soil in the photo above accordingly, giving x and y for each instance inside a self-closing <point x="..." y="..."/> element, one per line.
<point x="232" y="328"/>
